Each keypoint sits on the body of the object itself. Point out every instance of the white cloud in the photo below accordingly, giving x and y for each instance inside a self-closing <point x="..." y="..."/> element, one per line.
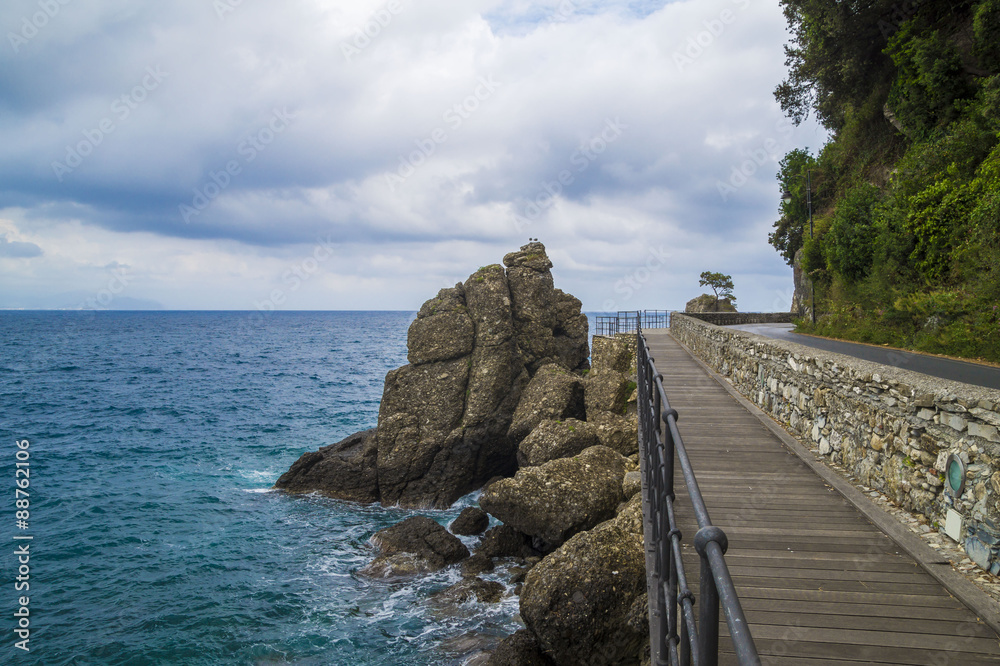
<point x="487" y="103"/>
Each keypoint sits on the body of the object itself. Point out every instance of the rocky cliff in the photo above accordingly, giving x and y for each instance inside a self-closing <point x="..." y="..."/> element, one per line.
<point x="444" y="425"/>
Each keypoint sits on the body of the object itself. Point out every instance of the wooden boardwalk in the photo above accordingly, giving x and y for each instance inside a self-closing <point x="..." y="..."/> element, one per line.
<point x="819" y="583"/>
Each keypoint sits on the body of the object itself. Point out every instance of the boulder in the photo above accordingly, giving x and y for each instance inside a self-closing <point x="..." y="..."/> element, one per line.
<point x="583" y="602"/>
<point x="631" y="484"/>
<point x="616" y="354"/>
<point x="444" y="420"/>
<point x="554" y="393"/>
<point x="470" y="522"/>
<point x="556" y="500"/>
<point x="550" y="327"/>
<point x="519" y="649"/>
<point x="556" y="439"/>
<point x="416" y="545"/>
<point x="469" y="588"/>
<point x="477" y="564"/>
<point x="504" y="541"/>
<point x="607" y="391"/>
<point x="345" y="470"/>
<point x="620" y="433"/>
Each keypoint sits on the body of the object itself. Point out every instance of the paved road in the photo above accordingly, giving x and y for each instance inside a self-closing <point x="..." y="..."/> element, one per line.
<point x="958" y="371"/>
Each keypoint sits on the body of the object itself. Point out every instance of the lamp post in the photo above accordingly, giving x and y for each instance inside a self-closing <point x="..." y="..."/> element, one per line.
<point x="786" y="197"/>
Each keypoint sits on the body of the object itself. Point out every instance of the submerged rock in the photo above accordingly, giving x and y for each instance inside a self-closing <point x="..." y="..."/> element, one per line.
<point x="416" y="545"/>
<point x="469" y="588"/>
<point x="556" y="500"/>
<point x="585" y="602"/>
<point x="444" y="425"/>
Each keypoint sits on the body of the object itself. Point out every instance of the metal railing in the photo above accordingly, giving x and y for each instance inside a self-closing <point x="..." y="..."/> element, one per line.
<point x="671" y="601"/>
<point x="628" y="321"/>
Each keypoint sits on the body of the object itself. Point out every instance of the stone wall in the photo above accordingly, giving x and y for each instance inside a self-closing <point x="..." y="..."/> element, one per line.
<point x="893" y="429"/>
<point x="738" y="318"/>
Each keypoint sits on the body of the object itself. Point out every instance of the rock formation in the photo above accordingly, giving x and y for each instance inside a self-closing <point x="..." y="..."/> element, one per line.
<point x="707" y="303"/>
<point x="444" y="425"/>
<point x="586" y="602"/>
<point x="416" y="545"/>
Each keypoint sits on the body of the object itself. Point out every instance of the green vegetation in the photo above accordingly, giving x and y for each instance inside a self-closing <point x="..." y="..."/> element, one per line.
<point x="906" y="194"/>
<point x="721" y="284"/>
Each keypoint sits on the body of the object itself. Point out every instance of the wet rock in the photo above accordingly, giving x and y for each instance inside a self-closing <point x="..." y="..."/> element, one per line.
<point x="519" y="649"/>
<point x="470" y="522"/>
<point x="469" y="588"/>
<point x="556" y="439"/>
<point x="583" y="601"/>
<point x="416" y="545"/>
<point x="504" y="541"/>
<point x="477" y="564"/>
<point x="560" y="498"/>
<point x="345" y="470"/>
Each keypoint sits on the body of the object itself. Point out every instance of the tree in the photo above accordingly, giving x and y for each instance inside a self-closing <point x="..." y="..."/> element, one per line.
<point x="721" y="284"/>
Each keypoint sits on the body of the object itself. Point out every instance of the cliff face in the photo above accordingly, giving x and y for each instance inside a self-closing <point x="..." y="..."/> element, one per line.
<point x="444" y="420"/>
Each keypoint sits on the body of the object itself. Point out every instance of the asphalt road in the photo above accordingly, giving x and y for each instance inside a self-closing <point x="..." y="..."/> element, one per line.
<point x="958" y="371"/>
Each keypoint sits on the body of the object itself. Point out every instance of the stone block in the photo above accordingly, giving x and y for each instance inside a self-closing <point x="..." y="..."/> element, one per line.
<point x="926" y="414"/>
<point x="979" y="552"/>
<point x="987" y="432"/>
<point x="954" y="421"/>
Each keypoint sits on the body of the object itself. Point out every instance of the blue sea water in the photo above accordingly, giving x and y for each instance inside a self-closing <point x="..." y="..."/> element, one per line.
<point x="154" y="441"/>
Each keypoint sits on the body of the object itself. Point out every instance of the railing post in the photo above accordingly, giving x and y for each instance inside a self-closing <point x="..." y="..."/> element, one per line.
<point x="708" y="620"/>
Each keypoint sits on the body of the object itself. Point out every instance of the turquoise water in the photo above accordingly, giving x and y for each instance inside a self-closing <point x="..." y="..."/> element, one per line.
<point x="154" y="441"/>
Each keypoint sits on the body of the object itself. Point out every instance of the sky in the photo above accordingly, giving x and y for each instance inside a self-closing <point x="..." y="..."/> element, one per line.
<point x="335" y="155"/>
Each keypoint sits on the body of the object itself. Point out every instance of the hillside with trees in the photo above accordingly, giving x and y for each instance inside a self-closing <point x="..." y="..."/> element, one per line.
<point x="905" y="195"/>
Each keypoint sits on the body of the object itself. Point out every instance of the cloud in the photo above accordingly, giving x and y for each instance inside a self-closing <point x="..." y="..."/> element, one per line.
<point x="18" y="249"/>
<point x="398" y="129"/>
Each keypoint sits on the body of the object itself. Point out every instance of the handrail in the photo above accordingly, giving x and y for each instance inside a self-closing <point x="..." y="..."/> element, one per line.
<point x="628" y="321"/>
<point x="671" y="602"/>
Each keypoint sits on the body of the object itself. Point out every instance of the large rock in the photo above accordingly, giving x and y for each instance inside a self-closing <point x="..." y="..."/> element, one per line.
<point x="345" y="470"/>
<point x="550" y="326"/>
<point x="471" y="521"/>
<point x="614" y="353"/>
<point x="708" y="303"/>
<point x="416" y="545"/>
<point x="607" y="391"/>
<point x="556" y="439"/>
<point x="584" y="602"/>
<point x="556" y="500"/>
<point x="554" y="393"/>
<point x="444" y="424"/>
<point x="617" y="432"/>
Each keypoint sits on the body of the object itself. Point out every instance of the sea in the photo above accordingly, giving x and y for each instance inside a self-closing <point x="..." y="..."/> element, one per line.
<point x="148" y="445"/>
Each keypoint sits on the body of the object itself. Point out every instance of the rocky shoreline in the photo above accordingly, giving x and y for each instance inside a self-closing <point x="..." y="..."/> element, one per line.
<point x="499" y="395"/>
